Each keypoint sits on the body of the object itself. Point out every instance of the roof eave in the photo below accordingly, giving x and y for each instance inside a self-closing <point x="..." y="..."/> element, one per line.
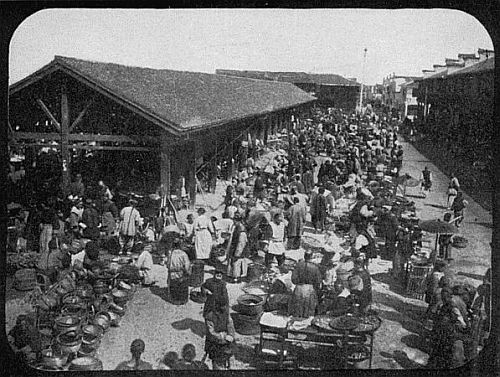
<point x="211" y="125"/>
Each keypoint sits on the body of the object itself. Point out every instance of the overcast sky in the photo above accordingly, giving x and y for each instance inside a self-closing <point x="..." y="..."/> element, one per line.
<point x="316" y="40"/>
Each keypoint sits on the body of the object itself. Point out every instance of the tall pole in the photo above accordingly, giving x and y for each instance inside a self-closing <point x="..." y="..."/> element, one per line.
<point x="362" y="78"/>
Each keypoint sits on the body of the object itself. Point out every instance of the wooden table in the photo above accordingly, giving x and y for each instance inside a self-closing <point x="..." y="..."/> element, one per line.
<point x="335" y="338"/>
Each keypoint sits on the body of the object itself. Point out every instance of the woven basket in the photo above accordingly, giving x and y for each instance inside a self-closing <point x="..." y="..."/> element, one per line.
<point x="25" y="279"/>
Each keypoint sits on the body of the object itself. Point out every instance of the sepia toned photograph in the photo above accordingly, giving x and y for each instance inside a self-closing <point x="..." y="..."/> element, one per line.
<point x="249" y="189"/>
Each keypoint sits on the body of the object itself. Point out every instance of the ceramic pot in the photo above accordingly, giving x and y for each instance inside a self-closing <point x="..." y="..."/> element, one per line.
<point x="69" y="342"/>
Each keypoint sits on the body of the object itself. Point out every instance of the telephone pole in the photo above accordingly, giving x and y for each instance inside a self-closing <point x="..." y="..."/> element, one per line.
<point x="362" y="78"/>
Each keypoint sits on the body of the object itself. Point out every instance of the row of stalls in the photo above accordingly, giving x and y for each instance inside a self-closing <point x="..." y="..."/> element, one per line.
<point x="141" y="130"/>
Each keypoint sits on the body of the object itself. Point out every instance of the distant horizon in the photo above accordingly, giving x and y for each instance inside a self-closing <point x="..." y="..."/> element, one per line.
<point x="315" y="41"/>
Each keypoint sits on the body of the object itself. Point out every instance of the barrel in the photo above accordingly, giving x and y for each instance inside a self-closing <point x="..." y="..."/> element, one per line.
<point x="25" y="279"/>
<point x="197" y="274"/>
<point x="246" y="324"/>
<point x="255" y="271"/>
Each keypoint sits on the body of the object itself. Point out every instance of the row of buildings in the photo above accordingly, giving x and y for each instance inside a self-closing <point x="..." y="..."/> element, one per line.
<point x="406" y="95"/>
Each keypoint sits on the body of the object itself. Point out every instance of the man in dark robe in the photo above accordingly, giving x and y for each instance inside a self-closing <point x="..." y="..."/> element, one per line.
<point x="307" y="278"/>
<point x="296" y="217"/>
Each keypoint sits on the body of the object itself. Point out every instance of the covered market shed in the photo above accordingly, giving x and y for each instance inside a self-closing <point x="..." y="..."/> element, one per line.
<point x="141" y="125"/>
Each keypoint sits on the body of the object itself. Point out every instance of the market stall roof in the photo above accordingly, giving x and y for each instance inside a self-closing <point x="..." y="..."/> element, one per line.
<point x="181" y="100"/>
<point x="292" y="77"/>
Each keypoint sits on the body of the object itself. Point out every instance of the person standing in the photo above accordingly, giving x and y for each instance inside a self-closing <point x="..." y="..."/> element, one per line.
<point x="130" y="220"/>
<point x="77" y="188"/>
<point x="145" y="265"/>
<point x="238" y="250"/>
<point x="453" y="188"/>
<point x="90" y="218"/>
<point x="204" y="232"/>
<point x="318" y="210"/>
<point x="109" y="215"/>
<point x="258" y="186"/>
<point x="179" y="269"/>
<point x="276" y="246"/>
<point x="307" y="279"/>
<point x="296" y="216"/>
<point x="47" y="219"/>
<point x="458" y="206"/>
<point x="308" y="180"/>
<point x="426" y="179"/>
<point x="298" y="185"/>
<point x="218" y="323"/>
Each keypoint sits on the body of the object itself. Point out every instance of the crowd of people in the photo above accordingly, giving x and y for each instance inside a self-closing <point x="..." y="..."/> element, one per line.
<point x="355" y="199"/>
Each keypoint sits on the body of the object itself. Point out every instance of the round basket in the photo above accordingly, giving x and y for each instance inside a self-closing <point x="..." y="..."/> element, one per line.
<point x="250" y="305"/>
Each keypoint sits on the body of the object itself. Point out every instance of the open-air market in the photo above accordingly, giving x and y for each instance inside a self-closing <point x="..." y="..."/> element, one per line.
<point x="181" y="220"/>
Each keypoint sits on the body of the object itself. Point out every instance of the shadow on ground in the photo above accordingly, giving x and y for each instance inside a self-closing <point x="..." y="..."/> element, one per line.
<point x="402" y="359"/>
<point x="410" y="316"/>
<point x="160" y="292"/>
<point x="196" y="327"/>
<point x="386" y="278"/>
<point x="439" y="206"/>
<point x="472" y="276"/>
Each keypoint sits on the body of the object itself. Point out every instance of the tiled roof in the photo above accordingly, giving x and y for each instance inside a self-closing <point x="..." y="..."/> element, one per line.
<point x="485" y="65"/>
<point x="293" y="77"/>
<point x="187" y="99"/>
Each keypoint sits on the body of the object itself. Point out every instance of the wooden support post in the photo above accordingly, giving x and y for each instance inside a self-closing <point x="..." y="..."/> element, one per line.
<point x="230" y="157"/>
<point x="192" y="175"/>
<point x="164" y="169"/>
<point x="213" y="170"/>
<point x="66" y="174"/>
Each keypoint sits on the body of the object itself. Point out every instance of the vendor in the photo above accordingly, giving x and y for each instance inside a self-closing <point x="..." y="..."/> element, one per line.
<point x="238" y="250"/>
<point x="276" y="246"/>
<point x="145" y="265"/>
<point x="179" y="268"/>
<point x="218" y="323"/>
<point x="50" y="261"/>
<point x="91" y="257"/>
<point x="307" y="278"/>
<point x="364" y="244"/>
<point x="363" y="290"/>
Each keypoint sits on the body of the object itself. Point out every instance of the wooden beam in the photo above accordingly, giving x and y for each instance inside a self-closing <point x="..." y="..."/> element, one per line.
<point x="87" y="137"/>
<point x="81" y="115"/>
<point x="86" y="147"/>
<point x="49" y="114"/>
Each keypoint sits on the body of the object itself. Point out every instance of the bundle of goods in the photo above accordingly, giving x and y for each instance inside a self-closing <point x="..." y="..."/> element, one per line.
<point x="129" y="274"/>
